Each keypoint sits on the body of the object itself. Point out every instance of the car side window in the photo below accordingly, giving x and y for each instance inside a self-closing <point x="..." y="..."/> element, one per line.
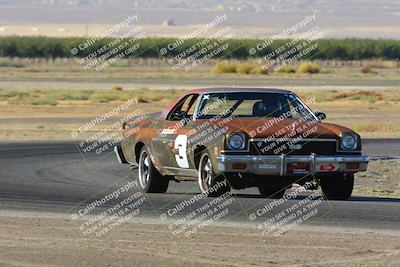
<point x="185" y="107"/>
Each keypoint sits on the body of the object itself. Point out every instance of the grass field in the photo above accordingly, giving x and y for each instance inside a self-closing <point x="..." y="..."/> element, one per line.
<point x="372" y="114"/>
<point x="32" y="90"/>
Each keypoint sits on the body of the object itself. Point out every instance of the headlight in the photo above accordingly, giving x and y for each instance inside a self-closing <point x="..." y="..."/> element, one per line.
<point x="349" y="142"/>
<point x="236" y="141"/>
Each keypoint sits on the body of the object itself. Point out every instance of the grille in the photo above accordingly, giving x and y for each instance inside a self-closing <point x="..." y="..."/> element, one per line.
<point x="303" y="147"/>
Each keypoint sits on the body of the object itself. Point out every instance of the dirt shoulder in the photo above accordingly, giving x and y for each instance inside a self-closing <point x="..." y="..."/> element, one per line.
<point x="381" y="179"/>
<point x="58" y="242"/>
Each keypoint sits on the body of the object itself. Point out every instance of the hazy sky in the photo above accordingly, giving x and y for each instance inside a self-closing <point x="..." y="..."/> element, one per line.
<point x="367" y="18"/>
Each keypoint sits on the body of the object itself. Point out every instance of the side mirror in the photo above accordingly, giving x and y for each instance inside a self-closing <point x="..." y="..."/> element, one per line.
<point x="179" y="115"/>
<point x="320" y="115"/>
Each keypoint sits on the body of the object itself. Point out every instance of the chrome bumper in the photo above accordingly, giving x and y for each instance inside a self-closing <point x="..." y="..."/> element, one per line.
<point x="291" y="165"/>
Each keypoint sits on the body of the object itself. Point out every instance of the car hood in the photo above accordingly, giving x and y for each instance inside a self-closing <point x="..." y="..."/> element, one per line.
<point x="272" y="127"/>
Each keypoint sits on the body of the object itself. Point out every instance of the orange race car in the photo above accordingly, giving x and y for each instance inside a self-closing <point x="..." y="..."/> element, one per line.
<point x="242" y="137"/>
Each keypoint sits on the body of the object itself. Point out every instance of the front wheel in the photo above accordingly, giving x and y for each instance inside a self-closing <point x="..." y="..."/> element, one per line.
<point x="209" y="183"/>
<point x="150" y="180"/>
<point x="337" y="187"/>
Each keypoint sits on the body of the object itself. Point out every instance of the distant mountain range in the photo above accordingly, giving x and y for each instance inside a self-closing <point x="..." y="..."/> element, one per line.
<point x="341" y="18"/>
<point x="233" y="5"/>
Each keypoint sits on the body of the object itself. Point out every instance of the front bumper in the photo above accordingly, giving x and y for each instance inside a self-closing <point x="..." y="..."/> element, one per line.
<point x="283" y="165"/>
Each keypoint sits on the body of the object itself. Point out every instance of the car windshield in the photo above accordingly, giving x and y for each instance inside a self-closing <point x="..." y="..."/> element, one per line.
<point x="252" y="104"/>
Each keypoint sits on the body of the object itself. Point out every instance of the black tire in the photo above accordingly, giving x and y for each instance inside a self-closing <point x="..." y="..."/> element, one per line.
<point x="207" y="178"/>
<point x="337" y="187"/>
<point x="272" y="191"/>
<point x="150" y="180"/>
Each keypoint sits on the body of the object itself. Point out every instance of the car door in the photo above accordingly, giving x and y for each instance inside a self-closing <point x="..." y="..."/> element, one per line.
<point x="171" y="142"/>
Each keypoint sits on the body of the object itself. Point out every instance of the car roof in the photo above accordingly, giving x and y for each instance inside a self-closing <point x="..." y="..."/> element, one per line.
<point x="236" y="89"/>
<point x="226" y="89"/>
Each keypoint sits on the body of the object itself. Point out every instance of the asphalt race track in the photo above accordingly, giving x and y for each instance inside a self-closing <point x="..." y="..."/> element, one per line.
<point x="53" y="177"/>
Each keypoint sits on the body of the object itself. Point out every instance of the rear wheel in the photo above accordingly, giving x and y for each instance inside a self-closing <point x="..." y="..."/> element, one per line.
<point x="337" y="187"/>
<point x="210" y="183"/>
<point x="150" y="180"/>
